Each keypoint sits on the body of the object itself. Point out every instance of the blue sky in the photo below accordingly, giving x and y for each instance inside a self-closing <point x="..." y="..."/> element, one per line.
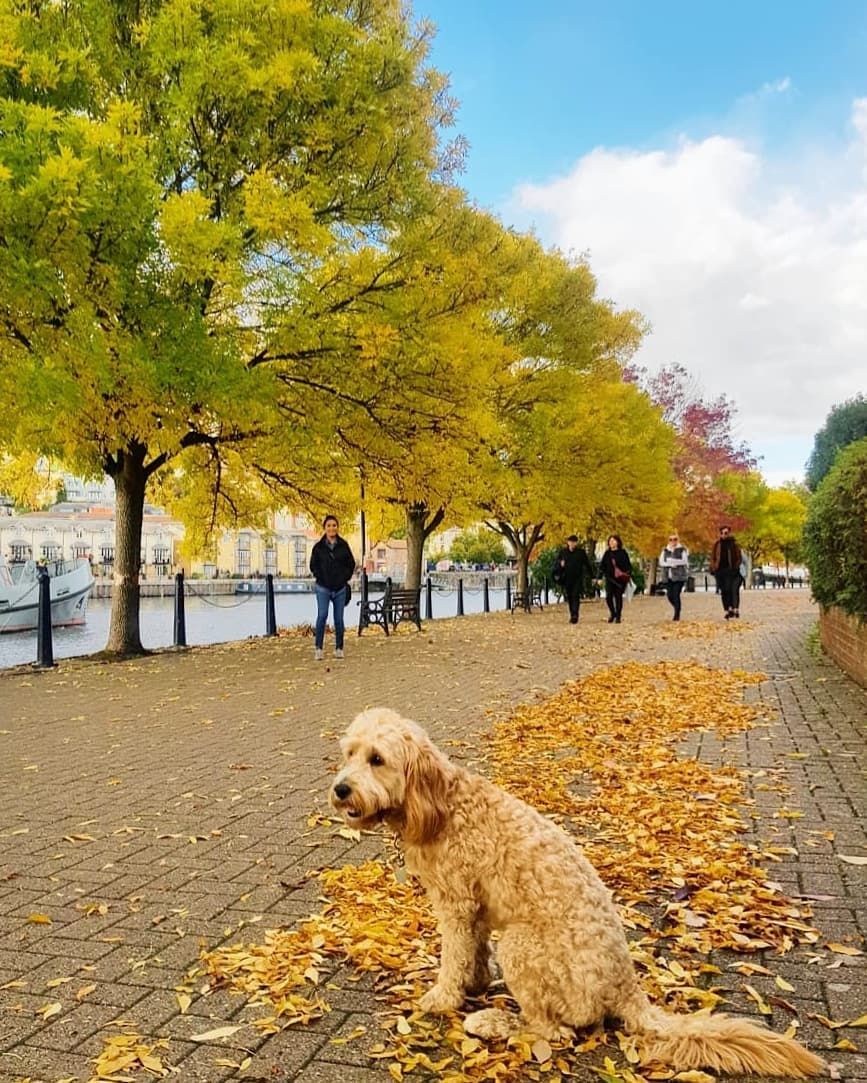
<point x="712" y="162"/>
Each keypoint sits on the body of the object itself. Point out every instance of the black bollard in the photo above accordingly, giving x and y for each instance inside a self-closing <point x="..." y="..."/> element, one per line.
<point x="508" y="593"/>
<point x="44" y="642"/>
<point x="270" y="613"/>
<point x="486" y="596"/>
<point x="180" y="617"/>
<point x="546" y="591"/>
<point x="460" y="597"/>
<point x="428" y="599"/>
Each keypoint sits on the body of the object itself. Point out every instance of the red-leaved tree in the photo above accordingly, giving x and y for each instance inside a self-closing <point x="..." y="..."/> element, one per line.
<point x="706" y="451"/>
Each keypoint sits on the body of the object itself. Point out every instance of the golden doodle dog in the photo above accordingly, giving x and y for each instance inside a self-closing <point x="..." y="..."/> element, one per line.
<point x="490" y="862"/>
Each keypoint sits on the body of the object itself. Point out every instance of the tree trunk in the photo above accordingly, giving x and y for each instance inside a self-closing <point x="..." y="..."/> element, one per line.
<point x="415" y="535"/>
<point x="130" y="477"/>
<point x="418" y="530"/>
<point x="523" y="540"/>
<point x="523" y="555"/>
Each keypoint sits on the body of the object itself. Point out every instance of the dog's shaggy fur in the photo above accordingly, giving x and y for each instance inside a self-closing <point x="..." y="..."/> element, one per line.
<point x="490" y="862"/>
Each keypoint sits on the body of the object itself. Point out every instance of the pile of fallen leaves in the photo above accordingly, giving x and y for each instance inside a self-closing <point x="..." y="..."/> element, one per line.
<point x="124" y="1053"/>
<point x="665" y="834"/>
<point x="661" y="830"/>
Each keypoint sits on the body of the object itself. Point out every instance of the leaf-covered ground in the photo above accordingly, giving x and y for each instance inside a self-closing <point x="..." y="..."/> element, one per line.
<point x="664" y="830"/>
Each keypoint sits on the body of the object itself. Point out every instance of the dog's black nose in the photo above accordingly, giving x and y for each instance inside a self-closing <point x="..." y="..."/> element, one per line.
<point x="342" y="791"/>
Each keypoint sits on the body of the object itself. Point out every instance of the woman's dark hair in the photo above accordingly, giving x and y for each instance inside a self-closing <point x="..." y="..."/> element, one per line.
<point x="329" y="516"/>
<point x="616" y="537"/>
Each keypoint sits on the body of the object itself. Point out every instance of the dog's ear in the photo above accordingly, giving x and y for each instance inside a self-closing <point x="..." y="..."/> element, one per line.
<point x="427" y="778"/>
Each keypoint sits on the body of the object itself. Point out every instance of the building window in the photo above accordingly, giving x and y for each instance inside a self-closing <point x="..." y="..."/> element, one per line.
<point x="300" y="546"/>
<point x="80" y="552"/>
<point x="106" y="558"/>
<point x="19" y="552"/>
<point x="242" y="554"/>
<point x="270" y="560"/>
<point x="161" y="559"/>
<point x="50" y="551"/>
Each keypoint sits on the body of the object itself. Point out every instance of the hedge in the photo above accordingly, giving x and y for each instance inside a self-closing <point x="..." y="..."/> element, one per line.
<point x="835" y="534"/>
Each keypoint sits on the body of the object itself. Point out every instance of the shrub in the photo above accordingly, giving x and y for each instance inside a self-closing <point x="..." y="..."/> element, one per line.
<point x="835" y="534"/>
<point x="542" y="566"/>
<point x="478" y="547"/>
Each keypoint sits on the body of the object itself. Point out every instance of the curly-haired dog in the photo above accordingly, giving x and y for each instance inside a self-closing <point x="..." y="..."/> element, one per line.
<point x="488" y="861"/>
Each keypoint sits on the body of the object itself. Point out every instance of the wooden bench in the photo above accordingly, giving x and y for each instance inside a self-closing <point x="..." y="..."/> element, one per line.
<point x="395" y="606"/>
<point x="526" y="599"/>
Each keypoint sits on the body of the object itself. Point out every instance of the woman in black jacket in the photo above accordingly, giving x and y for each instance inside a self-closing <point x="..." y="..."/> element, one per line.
<point x="616" y="569"/>
<point x="332" y="565"/>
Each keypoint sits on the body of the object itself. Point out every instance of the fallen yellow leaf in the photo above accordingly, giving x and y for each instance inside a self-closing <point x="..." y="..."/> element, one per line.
<point x="844" y="949"/>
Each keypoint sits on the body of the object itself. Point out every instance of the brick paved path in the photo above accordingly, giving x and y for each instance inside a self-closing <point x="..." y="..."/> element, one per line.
<point x="152" y="807"/>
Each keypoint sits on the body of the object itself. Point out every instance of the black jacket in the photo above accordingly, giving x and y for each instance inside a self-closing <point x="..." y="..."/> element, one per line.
<point x="572" y="568"/>
<point x="332" y="568"/>
<point x="611" y="557"/>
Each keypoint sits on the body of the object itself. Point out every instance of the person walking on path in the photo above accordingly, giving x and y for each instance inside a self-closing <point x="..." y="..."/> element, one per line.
<point x="571" y="572"/>
<point x="674" y="560"/>
<point x="725" y="565"/>
<point x="616" y="570"/>
<point x="332" y="565"/>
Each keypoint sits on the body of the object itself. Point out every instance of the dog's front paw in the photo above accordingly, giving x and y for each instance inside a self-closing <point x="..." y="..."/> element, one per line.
<point x="439" y="1000"/>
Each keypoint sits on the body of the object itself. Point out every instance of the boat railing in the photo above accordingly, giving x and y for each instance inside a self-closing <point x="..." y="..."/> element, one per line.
<point x="28" y="571"/>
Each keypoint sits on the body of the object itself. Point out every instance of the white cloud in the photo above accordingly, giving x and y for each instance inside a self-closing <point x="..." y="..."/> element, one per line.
<point x="752" y="271"/>
<point x="778" y="86"/>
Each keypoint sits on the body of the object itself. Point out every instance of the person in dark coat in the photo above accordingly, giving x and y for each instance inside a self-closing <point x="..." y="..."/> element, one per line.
<point x="725" y="564"/>
<point x="332" y="565"/>
<point x="571" y="571"/>
<point x="616" y="569"/>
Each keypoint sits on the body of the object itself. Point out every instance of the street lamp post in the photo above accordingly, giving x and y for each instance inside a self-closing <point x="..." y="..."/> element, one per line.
<point x="363" y="546"/>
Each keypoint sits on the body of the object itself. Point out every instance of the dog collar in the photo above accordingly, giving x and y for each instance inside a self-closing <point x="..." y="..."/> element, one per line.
<point x="395" y="857"/>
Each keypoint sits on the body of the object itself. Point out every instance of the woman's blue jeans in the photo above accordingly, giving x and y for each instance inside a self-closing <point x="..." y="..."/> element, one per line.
<point x="337" y="598"/>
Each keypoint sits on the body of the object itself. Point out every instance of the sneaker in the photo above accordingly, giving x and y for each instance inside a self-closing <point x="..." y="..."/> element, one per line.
<point x="338" y="652"/>
<point x="736" y="613"/>
<point x="317" y="654"/>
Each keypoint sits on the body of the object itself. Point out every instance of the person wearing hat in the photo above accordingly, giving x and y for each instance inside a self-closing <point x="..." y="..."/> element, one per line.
<point x="571" y="571"/>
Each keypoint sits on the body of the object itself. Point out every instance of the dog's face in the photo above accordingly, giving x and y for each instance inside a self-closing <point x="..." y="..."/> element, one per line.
<point x="391" y="771"/>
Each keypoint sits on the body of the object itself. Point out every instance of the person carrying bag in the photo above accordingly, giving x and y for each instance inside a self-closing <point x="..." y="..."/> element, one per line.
<point x="616" y="569"/>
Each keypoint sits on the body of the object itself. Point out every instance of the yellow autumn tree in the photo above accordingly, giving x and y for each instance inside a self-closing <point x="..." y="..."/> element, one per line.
<point x="191" y="198"/>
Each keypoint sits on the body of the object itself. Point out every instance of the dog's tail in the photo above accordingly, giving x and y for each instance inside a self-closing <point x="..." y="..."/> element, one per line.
<point x="723" y="1042"/>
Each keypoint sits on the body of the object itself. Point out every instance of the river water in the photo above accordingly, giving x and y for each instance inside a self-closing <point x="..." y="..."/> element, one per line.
<point x="218" y="619"/>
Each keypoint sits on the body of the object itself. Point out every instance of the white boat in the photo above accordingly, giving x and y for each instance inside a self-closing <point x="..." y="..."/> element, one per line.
<point x="71" y="582"/>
